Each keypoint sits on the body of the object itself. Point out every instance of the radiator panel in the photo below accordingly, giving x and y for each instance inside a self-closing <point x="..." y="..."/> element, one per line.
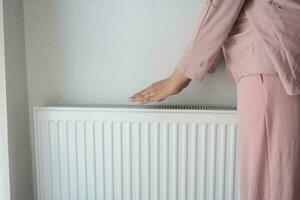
<point x="108" y="154"/>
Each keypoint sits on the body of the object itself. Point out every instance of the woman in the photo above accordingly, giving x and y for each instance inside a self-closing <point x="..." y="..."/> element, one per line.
<point x="261" y="47"/>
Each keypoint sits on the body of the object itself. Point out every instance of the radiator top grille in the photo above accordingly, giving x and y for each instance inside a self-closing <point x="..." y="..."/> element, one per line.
<point x="150" y="106"/>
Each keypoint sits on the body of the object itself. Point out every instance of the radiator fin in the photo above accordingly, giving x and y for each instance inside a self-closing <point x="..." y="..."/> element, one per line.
<point x="94" y="159"/>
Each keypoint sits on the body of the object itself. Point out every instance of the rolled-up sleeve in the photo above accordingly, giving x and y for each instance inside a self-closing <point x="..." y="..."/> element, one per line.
<point x="204" y="50"/>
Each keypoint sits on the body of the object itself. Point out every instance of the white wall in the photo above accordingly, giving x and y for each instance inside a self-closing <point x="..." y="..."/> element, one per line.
<point x="104" y="51"/>
<point x="17" y="102"/>
<point x="4" y="166"/>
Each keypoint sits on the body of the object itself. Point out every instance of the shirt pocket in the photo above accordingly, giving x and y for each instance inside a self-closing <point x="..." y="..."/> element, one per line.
<point x="238" y="50"/>
<point x="261" y="56"/>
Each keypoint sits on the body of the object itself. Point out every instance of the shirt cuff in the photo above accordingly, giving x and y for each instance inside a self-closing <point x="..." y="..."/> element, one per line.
<point x="191" y="72"/>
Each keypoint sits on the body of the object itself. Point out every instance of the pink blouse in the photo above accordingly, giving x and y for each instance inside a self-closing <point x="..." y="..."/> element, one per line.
<point x="243" y="51"/>
<point x="264" y="31"/>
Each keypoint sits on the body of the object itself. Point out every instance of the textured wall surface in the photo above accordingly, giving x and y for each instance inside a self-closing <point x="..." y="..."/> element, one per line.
<point x="104" y="51"/>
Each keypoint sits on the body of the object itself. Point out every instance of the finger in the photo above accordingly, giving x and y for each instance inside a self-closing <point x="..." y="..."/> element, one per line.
<point x="141" y="95"/>
<point x="139" y="102"/>
<point x="140" y="99"/>
<point x="149" y="89"/>
<point x="135" y="97"/>
<point x="152" y="99"/>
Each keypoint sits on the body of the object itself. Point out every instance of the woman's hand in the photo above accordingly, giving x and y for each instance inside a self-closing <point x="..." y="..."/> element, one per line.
<point x="160" y="90"/>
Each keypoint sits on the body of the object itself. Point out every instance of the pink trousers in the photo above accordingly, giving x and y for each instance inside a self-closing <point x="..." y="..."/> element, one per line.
<point x="268" y="139"/>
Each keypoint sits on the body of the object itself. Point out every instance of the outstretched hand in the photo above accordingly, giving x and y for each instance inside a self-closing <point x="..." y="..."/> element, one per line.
<point x="160" y="90"/>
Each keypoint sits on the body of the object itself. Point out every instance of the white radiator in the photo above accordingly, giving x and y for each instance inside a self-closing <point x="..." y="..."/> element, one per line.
<point x="131" y="152"/>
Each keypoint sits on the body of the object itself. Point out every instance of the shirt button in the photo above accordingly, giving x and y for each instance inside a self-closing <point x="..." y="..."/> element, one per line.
<point x="275" y="4"/>
<point x="201" y="64"/>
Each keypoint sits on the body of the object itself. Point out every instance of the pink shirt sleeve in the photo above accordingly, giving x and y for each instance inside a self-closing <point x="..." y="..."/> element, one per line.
<point x="202" y="54"/>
